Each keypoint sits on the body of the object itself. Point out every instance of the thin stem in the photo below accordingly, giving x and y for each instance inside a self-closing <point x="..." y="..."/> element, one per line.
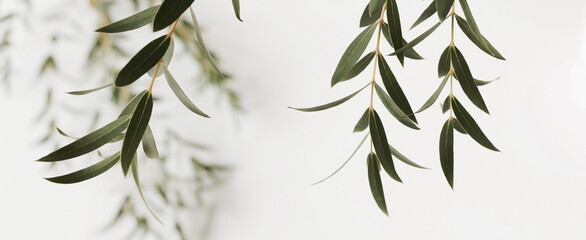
<point x="376" y="55"/>
<point x="169" y="34"/>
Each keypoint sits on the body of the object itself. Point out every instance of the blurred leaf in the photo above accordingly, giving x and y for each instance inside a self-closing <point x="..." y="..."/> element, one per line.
<point x="236" y="5"/>
<point x="166" y="59"/>
<point x="463" y="73"/>
<point x="143" y="61"/>
<point x="84" y="92"/>
<point x="137" y="182"/>
<point x="417" y="40"/>
<point x="135" y="132"/>
<point x="345" y="162"/>
<point x="352" y="54"/>
<point x="446" y="149"/>
<point x="376" y="186"/>
<point x="427" y="13"/>
<point x="148" y="144"/>
<point x="89" y="172"/>
<point x="169" y="12"/>
<point x="479" y="40"/>
<point x="411" y="53"/>
<point x="394" y="22"/>
<point x="392" y="107"/>
<point x="381" y="145"/>
<point x="470" y="125"/>
<point x="359" y="66"/>
<point x="135" y="21"/>
<point x="362" y="123"/>
<point x="445" y="62"/>
<point x="394" y="89"/>
<point x="404" y="159"/>
<point x="443" y="8"/>
<point x="203" y="47"/>
<point x="434" y="96"/>
<point x="368" y="19"/>
<point x="89" y="142"/>
<point x="180" y="94"/>
<point x="330" y="105"/>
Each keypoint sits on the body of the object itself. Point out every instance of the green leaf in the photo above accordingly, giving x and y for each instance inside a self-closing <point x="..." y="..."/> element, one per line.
<point x="459" y="127"/>
<point x="148" y="144"/>
<point x="482" y="82"/>
<point x="143" y="61"/>
<point x="392" y="107"/>
<point x="470" y="125"/>
<point x="404" y="159"/>
<point x="352" y="54"/>
<point x="236" y="5"/>
<point x="137" y="182"/>
<point x="446" y="149"/>
<point x="84" y="92"/>
<point x="362" y="123"/>
<point x="445" y="61"/>
<point x="417" y="40"/>
<point x="427" y="13"/>
<point x="381" y="145"/>
<point x="367" y="19"/>
<point x="345" y="162"/>
<point x="132" y="104"/>
<point x="180" y="94"/>
<point x="395" y="28"/>
<point x="434" y="96"/>
<point x="135" y="21"/>
<point x="166" y="59"/>
<point x="135" y="132"/>
<point x="464" y="75"/>
<point x="479" y="40"/>
<point x="202" y="45"/>
<point x="89" y="142"/>
<point x="443" y="8"/>
<point x="169" y="12"/>
<point x="359" y="66"/>
<point x="330" y="105"/>
<point x="411" y="53"/>
<point x="394" y="89"/>
<point x="446" y="105"/>
<point x="376" y="186"/>
<point x="375" y="6"/>
<point x="470" y="18"/>
<point x="87" y="173"/>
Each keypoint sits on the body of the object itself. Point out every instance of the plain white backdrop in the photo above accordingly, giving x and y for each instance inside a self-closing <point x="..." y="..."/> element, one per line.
<point x="283" y="55"/>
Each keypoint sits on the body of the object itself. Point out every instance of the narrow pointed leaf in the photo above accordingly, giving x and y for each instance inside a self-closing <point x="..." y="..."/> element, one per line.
<point x="180" y="94"/>
<point x="376" y="185"/>
<point x="394" y="22"/>
<point x="345" y="162"/>
<point x="129" y="108"/>
<point x="367" y="19"/>
<point x="445" y="61"/>
<point x="446" y="149"/>
<point x="169" y="12"/>
<point x="352" y="54"/>
<point x="470" y="125"/>
<point x="359" y="66"/>
<point x="87" y="173"/>
<point x="375" y="6"/>
<point x="479" y="40"/>
<point x="468" y="14"/>
<point x="394" y="89"/>
<point x="202" y="45"/>
<point x="330" y="105"/>
<point x="411" y="53"/>
<point x="427" y="13"/>
<point x="166" y="59"/>
<point x="459" y="127"/>
<point x="149" y="145"/>
<point x="89" y="142"/>
<point x="236" y="5"/>
<point x="417" y="40"/>
<point x="143" y="61"/>
<point x="443" y="8"/>
<point x="135" y="21"/>
<point x="135" y="132"/>
<point x="381" y="145"/>
<point x="404" y="159"/>
<point x="362" y="123"/>
<point x="467" y="83"/>
<point x="392" y="107"/>
<point x="84" y="92"/>
<point x="446" y="105"/>
<point x="482" y="82"/>
<point x="136" y="177"/>
<point x="434" y="96"/>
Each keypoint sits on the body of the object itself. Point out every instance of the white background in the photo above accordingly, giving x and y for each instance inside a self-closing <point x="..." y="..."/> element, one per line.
<point x="283" y="55"/>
